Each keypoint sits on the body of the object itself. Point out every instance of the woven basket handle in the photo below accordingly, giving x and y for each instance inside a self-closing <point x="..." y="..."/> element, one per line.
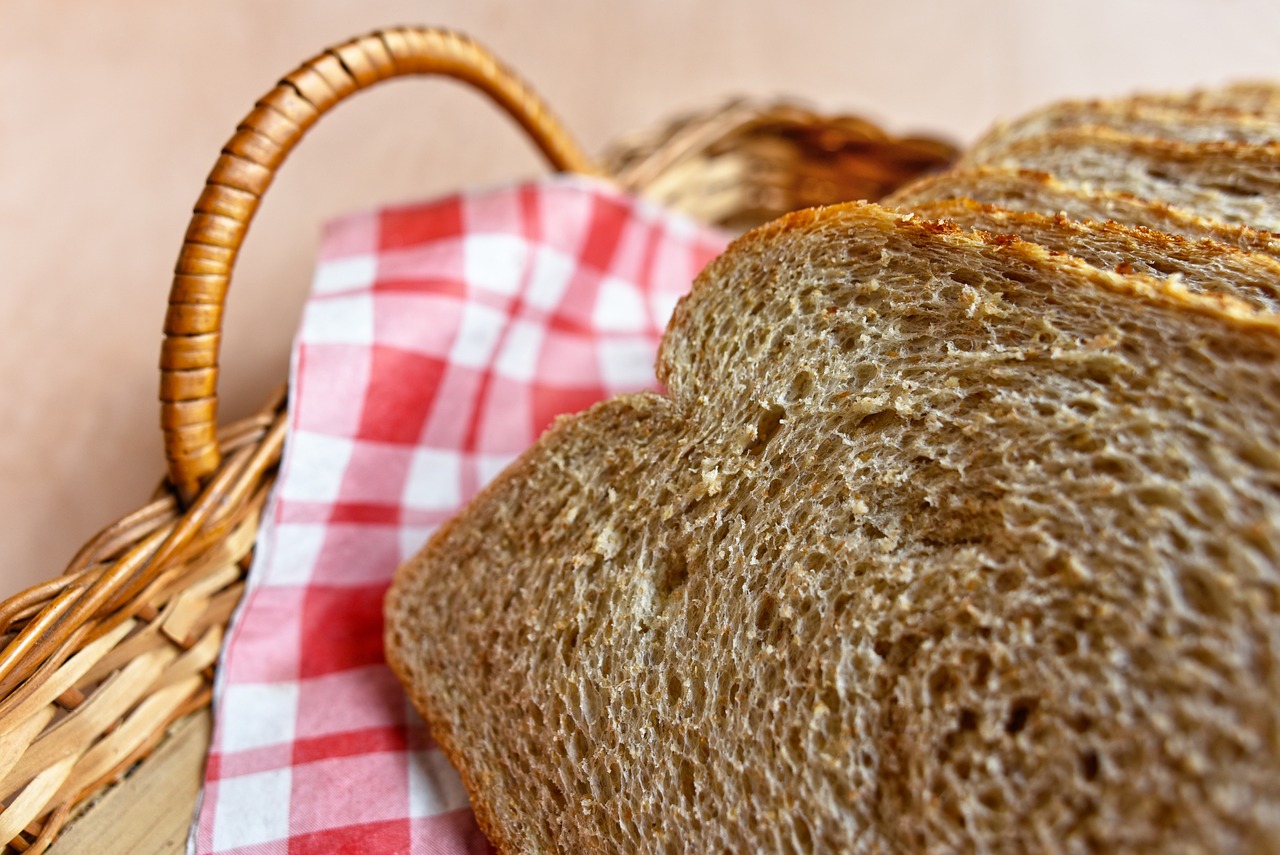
<point x="189" y="358"/>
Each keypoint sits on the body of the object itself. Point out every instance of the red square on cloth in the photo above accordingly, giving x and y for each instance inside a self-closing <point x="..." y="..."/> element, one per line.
<point x="439" y="341"/>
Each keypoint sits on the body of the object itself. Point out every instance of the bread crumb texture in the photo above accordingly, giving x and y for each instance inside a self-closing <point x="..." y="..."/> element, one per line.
<point x="937" y="543"/>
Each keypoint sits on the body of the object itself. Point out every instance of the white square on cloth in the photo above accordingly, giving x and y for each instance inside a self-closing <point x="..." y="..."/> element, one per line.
<point x="435" y="480"/>
<point x="344" y="274"/>
<point x="495" y="262"/>
<point x="239" y="819"/>
<point x="340" y="320"/>
<point x="270" y="712"/>
<point x="316" y="466"/>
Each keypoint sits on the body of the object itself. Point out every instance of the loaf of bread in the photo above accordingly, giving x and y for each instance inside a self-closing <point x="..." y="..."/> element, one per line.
<point x="938" y="541"/>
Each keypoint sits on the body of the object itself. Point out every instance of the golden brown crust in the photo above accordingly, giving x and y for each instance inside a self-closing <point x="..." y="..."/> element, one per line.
<point x="1170" y="149"/>
<point x="1175" y="120"/>
<point x="1233" y="182"/>
<point x="1205" y="265"/>
<point x="1033" y="191"/>
<point x="1146" y="288"/>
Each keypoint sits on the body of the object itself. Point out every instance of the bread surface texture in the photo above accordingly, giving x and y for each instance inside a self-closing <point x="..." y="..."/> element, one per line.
<point x="937" y="542"/>
<point x="1236" y="183"/>
<point x="1204" y="266"/>
<point x="1186" y="121"/>
<point x="1038" y="192"/>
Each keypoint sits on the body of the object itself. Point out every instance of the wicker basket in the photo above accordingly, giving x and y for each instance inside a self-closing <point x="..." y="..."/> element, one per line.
<point x="98" y="663"/>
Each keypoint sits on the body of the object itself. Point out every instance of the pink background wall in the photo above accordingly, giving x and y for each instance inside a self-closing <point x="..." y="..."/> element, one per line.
<point x="112" y="113"/>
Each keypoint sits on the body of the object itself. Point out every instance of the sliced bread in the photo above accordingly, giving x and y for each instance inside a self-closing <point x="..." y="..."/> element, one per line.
<point x="1185" y="118"/>
<point x="1039" y="192"/>
<point x="1200" y="265"/>
<point x="1256" y="97"/>
<point x="938" y="542"/>
<point x="1232" y="182"/>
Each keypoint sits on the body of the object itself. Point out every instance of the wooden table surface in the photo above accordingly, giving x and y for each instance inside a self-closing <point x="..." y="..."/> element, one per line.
<point x="150" y="811"/>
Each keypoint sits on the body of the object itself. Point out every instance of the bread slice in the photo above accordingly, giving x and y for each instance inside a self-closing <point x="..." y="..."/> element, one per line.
<point x="1185" y="121"/>
<point x="937" y="542"/>
<point x="1201" y="266"/>
<point x="1232" y="182"/>
<point x="1256" y="97"/>
<point x="1039" y="192"/>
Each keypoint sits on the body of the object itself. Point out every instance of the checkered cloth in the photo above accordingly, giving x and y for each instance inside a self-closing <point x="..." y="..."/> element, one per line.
<point x="438" y="343"/>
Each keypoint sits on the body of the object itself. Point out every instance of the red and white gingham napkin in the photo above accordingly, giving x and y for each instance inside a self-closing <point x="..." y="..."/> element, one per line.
<point x="438" y="342"/>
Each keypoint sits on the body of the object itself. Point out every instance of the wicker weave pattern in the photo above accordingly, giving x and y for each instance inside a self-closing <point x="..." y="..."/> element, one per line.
<point x="96" y="664"/>
<point x="746" y="163"/>
<point x="83" y="702"/>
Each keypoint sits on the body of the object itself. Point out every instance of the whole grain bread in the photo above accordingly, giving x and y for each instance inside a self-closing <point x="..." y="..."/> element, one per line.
<point x="1200" y="265"/>
<point x="1232" y="182"/>
<point x="1039" y="192"/>
<point x="938" y="541"/>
